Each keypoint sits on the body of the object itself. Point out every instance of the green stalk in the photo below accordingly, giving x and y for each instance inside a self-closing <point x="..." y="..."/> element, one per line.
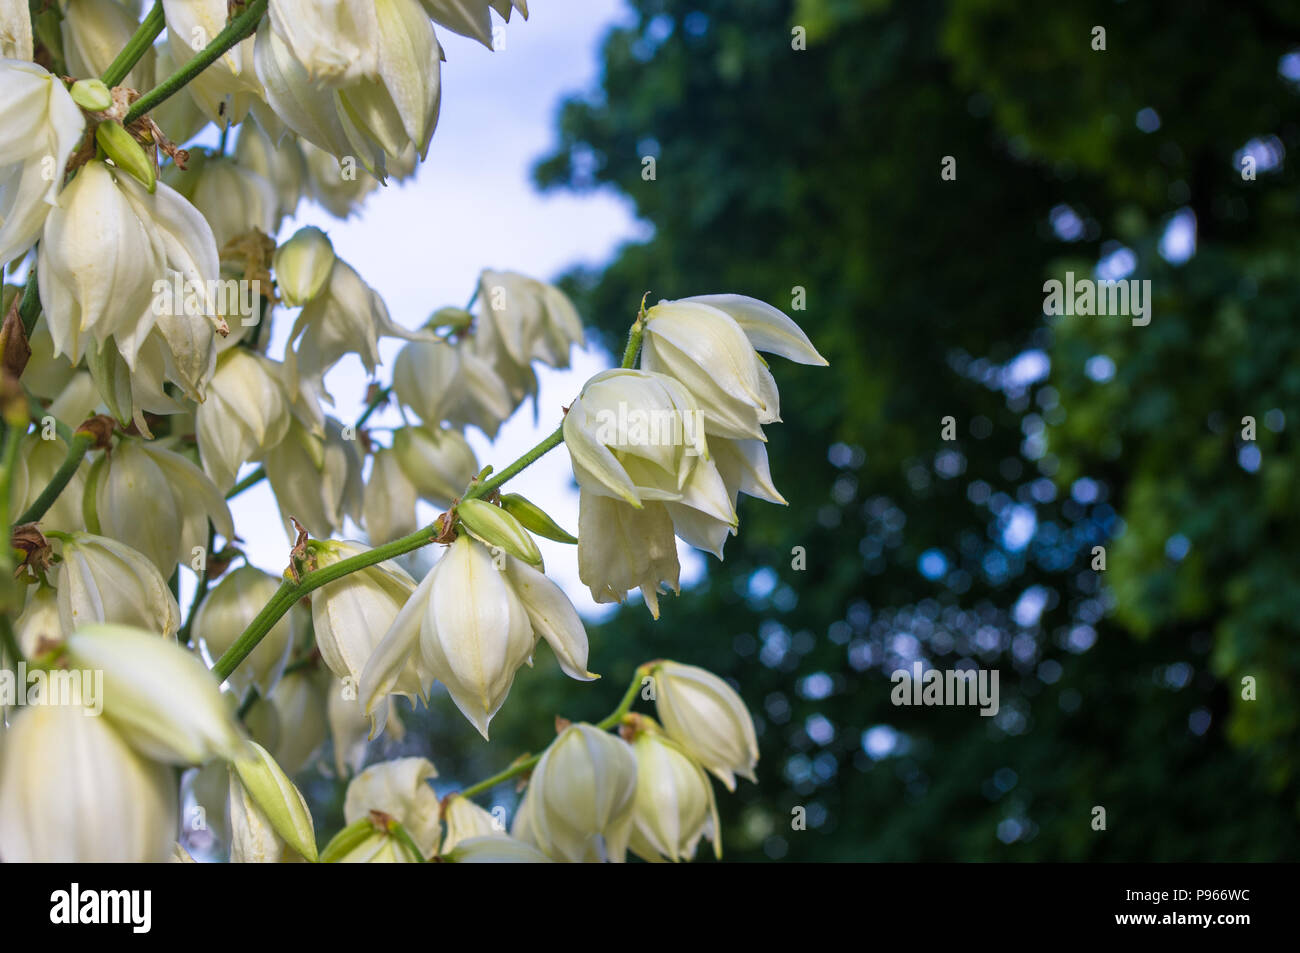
<point x="257" y="476"/>
<point x="236" y="30"/>
<point x="552" y="441"/>
<point x="30" y="307"/>
<point x="77" y="450"/>
<point x="140" y="43"/>
<point x="404" y="838"/>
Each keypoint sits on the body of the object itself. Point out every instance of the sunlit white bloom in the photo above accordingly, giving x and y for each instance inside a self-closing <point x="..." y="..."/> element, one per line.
<point x="473" y="621"/>
<point x="161" y="698"/>
<point x="316" y="479"/>
<point x="246" y="414"/>
<point x="226" y="89"/>
<point x="442" y="382"/>
<point x="674" y="805"/>
<point x="73" y="791"/>
<point x="438" y="461"/>
<point x="708" y="343"/>
<point x="578" y="806"/>
<point x="43" y="127"/>
<point x="336" y="41"/>
<point x="521" y="320"/>
<point x="157" y="502"/>
<point x="707" y="718"/>
<point x="103" y="580"/>
<point x="94" y="32"/>
<point x="232" y="197"/>
<point x="226" y="612"/>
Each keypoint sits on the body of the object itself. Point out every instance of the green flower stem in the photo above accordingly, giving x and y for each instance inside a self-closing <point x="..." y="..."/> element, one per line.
<point x="553" y="440"/>
<point x="29" y="309"/>
<point x="375" y="403"/>
<point x="257" y="476"/>
<point x="527" y="764"/>
<point x="634" y="337"/>
<point x="140" y="43"/>
<point x="290" y="592"/>
<point x="77" y="450"/>
<point x="237" y="29"/>
<point x="404" y="837"/>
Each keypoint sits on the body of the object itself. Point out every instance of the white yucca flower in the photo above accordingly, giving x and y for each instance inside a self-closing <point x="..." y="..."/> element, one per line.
<point x="675" y="805"/>
<point x="226" y="89"/>
<point x="156" y="501"/>
<point x="15" y="30"/>
<point x="42" y="128"/>
<point x="336" y="41"/>
<point x="708" y="342"/>
<point x="704" y="715"/>
<point x="246" y="414"/>
<point x="466" y="820"/>
<point x="303" y="265"/>
<point x="399" y="789"/>
<point x="316" y="479"/>
<point x="579" y="803"/>
<point x="233" y="197"/>
<point x="388" y="504"/>
<point x="438" y="461"/>
<point x="444" y="382"/>
<point x="621" y="548"/>
<point x="103" y="580"/>
<point x="521" y="320"/>
<point x="73" y="791"/>
<point x="279" y="161"/>
<point x="473" y="621"/>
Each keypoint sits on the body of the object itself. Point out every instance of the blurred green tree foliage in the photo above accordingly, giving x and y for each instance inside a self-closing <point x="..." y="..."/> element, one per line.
<point x="781" y="169"/>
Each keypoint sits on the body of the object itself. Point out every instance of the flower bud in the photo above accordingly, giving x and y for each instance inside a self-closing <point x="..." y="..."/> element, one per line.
<point x="94" y="32"/>
<point x="102" y="580"/>
<point x="704" y="715"/>
<point x="127" y="154"/>
<point x="281" y="802"/>
<point x="224" y="615"/>
<point x="92" y="95"/>
<point x="253" y="838"/>
<point x="578" y="806"/>
<point x="316" y="479"/>
<point x="160" y="697"/>
<point x="534" y="518"/>
<point x="399" y="789"/>
<point x="495" y="528"/>
<point x="674" y="805"/>
<point x="465" y="820"/>
<point x="72" y="791"/>
<point x="438" y="461"/>
<point x="303" y="265"/>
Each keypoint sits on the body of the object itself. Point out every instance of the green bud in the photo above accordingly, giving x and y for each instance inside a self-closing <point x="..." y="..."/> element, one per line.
<point x="281" y="802"/>
<point x="127" y="154"/>
<point x="303" y="265"/>
<point x="495" y="527"/>
<point x="91" y="94"/>
<point x="534" y="518"/>
<point x="456" y="319"/>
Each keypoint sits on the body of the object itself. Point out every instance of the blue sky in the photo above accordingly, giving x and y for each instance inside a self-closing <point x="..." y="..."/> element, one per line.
<point x="472" y="205"/>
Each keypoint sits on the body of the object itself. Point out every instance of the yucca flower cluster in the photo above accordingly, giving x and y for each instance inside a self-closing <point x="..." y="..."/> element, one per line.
<point x="138" y="395"/>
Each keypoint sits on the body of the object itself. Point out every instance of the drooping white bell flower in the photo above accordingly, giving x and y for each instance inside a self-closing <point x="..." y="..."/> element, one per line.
<point x="675" y="805"/>
<point x="449" y="382"/>
<point x="466" y="820"/>
<point x="225" y="90"/>
<point x="158" y="502"/>
<point x="704" y="715"/>
<point x="316" y="479"/>
<point x="400" y="789"/>
<point x="43" y="127"/>
<point x="103" y="580"/>
<point x="94" y="32"/>
<point x="233" y="198"/>
<point x="335" y="41"/>
<point x="579" y="803"/>
<point x="438" y="461"/>
<point x="279" y="162"/>
<point x="474" y="620"/>
<point x="73" y="791"/>
<point x="622" y="548"/>
<point x="388" y="505"/>
<point x="246" y="414"/>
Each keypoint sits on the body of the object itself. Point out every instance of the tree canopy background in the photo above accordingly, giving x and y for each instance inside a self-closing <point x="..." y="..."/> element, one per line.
<point x="779" y="168"/>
